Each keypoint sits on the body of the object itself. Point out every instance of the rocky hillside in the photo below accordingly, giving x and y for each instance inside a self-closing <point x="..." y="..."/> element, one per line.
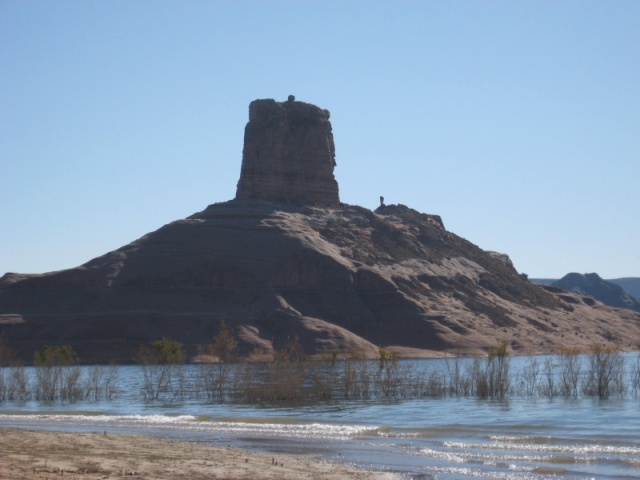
<point x="340" y="278"/>
<point x="274" y="264"/>
<point x="592" y="285"/>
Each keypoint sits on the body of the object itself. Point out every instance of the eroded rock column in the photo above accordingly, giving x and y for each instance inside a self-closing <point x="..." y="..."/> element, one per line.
<point x="288" y="154"/>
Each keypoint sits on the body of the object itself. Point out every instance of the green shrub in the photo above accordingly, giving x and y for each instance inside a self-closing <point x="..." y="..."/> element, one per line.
<point x="55" y="355"/>
<point x="162" y="364"/>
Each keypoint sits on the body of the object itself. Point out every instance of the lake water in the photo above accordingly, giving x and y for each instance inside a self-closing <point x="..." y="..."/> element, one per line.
<point x="519" y="437"/>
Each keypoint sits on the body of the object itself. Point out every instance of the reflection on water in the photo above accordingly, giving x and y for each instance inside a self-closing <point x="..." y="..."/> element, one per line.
<point x="521" y="437"/>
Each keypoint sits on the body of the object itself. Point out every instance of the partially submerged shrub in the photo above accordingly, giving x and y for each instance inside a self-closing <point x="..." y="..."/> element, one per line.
<point x="357" y="376"/>
<point x="162" y="364"/>
<point x="548" y="385"/>
<point x="389" y="377"/>
<point x="101" y="382"/>
<point x="570" y="367"/>
<point x="214" y="377"/>
<point x="530" y="374"/>
<point x="286" y="373"/>
<point x="493" y="380"/>
<point x="605" y="376"/>
<point x="57" y="373"/>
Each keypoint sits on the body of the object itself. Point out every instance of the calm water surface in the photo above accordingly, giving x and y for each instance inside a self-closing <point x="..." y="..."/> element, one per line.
<point x="444" y="438"/>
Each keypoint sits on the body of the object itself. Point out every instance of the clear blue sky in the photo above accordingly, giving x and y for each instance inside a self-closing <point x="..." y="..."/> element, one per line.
<point x="516" y="121"/>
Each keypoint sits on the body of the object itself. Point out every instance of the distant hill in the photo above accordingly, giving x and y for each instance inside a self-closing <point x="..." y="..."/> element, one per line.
<point x="631" y="285"/>
<point x="608" y="292"/>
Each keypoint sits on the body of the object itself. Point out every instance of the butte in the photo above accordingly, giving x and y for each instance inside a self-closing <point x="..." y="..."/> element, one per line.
<point x="287" y="259"/>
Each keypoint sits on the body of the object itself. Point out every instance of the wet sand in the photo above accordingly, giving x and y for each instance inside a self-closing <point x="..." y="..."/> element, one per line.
<point x="28" y="454"/>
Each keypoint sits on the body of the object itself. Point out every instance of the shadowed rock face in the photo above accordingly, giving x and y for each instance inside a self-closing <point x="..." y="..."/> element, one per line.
<point x="288" y="155"/>
<point x="339" y="279"/>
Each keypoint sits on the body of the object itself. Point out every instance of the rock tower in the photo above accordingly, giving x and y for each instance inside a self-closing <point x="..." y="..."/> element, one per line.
<point x="288" y="154"/>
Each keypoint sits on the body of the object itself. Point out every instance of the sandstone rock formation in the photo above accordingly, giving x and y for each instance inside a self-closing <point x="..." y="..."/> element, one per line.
<point x="288" y="155"/>
<point x="342" y="279"/>
<point x="286" y="259"/>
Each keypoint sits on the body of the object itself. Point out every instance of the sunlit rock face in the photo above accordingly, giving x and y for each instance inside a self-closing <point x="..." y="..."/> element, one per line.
<point x="288" y="155"/>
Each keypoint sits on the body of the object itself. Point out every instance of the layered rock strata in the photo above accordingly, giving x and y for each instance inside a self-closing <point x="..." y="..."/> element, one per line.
<point x="285" y="259"/>
<point x="340" y="279"/>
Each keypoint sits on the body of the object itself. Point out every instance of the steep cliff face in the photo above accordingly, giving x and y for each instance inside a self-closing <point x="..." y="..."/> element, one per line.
<point x="288" y="155"/>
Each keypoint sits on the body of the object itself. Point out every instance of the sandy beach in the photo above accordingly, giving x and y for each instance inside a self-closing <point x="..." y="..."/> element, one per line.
<point x="28" y="454"/>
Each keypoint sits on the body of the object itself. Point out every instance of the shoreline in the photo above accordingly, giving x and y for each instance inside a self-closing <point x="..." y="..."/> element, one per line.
<point x="40" y="454"/>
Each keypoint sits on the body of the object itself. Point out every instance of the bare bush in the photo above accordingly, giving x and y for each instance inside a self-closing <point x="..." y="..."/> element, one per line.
<point x="548" y="385"/>
<point x="248" y="383"/>
<point x="162" y="363"/>
<point x="530" y="374"/>
<point x="57" y="376"/>
<point x="492" y="380"/>
<point x="286" y="373"/>
<point x="289" y="376"/>
<point x="357" y="377"/>
<point x="322" y="376"/>
<point x="17" y="383"/>
<point x="570" y="367"/>
<point x="101" y="382"/>
<point x="389" y="378"/>
<point x="214" y="378"/>
<point x="457" y="381"/>
<point x="70" y="384"/>
<point x="434" y="385"/>
<point x="605" y="376"/>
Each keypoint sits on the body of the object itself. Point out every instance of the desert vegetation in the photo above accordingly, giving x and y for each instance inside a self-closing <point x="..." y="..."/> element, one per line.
<point x="56" y="376"/>
<point x="214" y="375"/>
<point x="287" y="375"/>
<point x="162" y="365"/>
